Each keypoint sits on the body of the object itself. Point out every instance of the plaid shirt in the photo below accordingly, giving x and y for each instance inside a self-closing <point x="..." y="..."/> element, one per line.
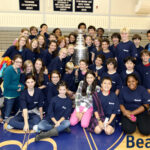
<point x="86" y="101"/>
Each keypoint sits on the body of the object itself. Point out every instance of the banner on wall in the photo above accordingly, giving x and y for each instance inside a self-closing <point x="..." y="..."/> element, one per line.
<point x="29" y="4"/>
<point x="62" y="5"/>
<point x="84" y="5"/>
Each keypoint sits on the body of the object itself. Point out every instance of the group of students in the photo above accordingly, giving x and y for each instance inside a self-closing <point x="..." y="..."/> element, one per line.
<point x="47" y="93"/>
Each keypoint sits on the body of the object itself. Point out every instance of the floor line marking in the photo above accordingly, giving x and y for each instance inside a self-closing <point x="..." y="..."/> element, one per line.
<point x="87" y="139"/>
<point x="93" y="141"/>
<point x="116" y="141"/>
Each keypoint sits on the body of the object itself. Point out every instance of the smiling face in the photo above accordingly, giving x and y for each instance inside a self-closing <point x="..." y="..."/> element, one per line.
<point x="29" y="68"/>
<point x="52" y="47"/>
<point x="105" y="45"/>
<point x="22" y="42"/>
<point x="98" y="61"/>
<point x="41" y="40"/>
<point x="106" y="85"/>
<point x="17" y="63"/>
<point x="132" y="83"/>
<point x="55" y="78"/>
<point x="124" y="36"/>
<point x="38" y="65"/>
<point x="62" y="90"/>
<point x="30" y="83"/>
<point x="129" y="65"/>
<point x="25" y="33"/>
<point x="83" y="66"/>
<point x="90" y="79"/>
<point x="34" y="44"/>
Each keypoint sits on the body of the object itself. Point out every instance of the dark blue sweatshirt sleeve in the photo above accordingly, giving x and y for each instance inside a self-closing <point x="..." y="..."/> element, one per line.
<point x="41" y="99"/>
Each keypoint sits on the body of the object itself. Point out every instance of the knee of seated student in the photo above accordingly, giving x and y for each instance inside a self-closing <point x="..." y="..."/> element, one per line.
<point x="66" y="123"/>
<point x="84" y="124"/>
<point x="109" y="130"/>
<point x="97" y="130"/>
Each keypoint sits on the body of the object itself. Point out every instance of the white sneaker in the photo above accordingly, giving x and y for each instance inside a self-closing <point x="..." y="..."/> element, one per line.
<point x="35" y="128"/>
<point x="9" y="127"/>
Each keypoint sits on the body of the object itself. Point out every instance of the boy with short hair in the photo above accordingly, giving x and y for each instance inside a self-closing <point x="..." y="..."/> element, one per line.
<point x="43" y="30"/>
<point x="92" y="32"/>
<point x="112" y="73"/>
<point x="148" y="37"/>
<point x="130" y="64"/>
<point x="144" y="69"/>
<point x="115" y="37"/>
<point x="137" y="40"/>
<point x="105" y="50"/>
<point x="98" y="66"/>
<point x="124" y="48"/>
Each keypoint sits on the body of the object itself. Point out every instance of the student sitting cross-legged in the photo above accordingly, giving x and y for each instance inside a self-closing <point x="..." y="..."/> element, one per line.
<point x="31" y="112"/>
<point x="59" y="111"/>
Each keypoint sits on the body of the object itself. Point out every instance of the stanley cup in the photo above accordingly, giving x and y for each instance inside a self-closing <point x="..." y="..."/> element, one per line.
<point x="81" y="51"/>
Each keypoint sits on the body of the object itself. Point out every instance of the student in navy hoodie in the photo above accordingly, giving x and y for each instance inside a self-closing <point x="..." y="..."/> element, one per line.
<point x="69" y="78"/>
<point x="49" y="54"/>
<point x="21" y="48"/>
<point x="115" y="37"/>
<point x="96" y="49"/>
<point x="144" y="69"/>
<point x="148" y="37"/>
<point x="35" y="49"/>
<point x="130" y="64"/>
<point x="124" y="48"/>
<point x="111" y="64"/>
<point x="31" y="103"/>
<point x="57" y="119"/>
<point x="89" y="45"/>
<point x="105" y="50"/>
<point x="42" y="44"/>
<point x="57" y="62"/>
<point x="137" y="40"/>
<point x="43" y="30"/>
<point x="98" y="67"/>
<point x="81" y="72"/>
<point x="28" y="69"/>
<point x="134" y="102"/>
<point x="52" y="87"/>
<point x="33" y="32"/>
<point x="110" y="105"/>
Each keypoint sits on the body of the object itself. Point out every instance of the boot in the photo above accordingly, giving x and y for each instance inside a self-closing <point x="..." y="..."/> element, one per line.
<point x="50" y="133"/>
<point x="67" y="130"/>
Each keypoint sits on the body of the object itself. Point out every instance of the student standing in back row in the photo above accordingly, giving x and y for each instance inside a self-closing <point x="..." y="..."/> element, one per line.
<point x="20" y="48"/>
<point x="124" y="48"/>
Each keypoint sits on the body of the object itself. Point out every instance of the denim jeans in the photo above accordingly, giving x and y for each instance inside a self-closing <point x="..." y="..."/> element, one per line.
<point x="8" y="105"/>
<point x="18" y="121"/>
<point x="44" y="125"/>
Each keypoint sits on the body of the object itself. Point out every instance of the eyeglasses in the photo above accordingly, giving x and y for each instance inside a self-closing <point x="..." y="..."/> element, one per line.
<point x="55" y="77"/>
<point x="18" y="62"/>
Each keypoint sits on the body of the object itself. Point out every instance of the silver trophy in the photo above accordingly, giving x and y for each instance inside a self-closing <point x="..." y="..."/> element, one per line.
<point x="81" y="51"/>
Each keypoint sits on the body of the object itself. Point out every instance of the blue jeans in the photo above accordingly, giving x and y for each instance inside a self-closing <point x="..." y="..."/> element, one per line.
<point x="18" y="121"/>
<point x="8" y="105"/>
<point x="44" y="125"/>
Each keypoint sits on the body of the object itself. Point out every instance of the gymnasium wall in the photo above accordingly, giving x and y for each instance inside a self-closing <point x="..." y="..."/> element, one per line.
<point x="110" y="14"/>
